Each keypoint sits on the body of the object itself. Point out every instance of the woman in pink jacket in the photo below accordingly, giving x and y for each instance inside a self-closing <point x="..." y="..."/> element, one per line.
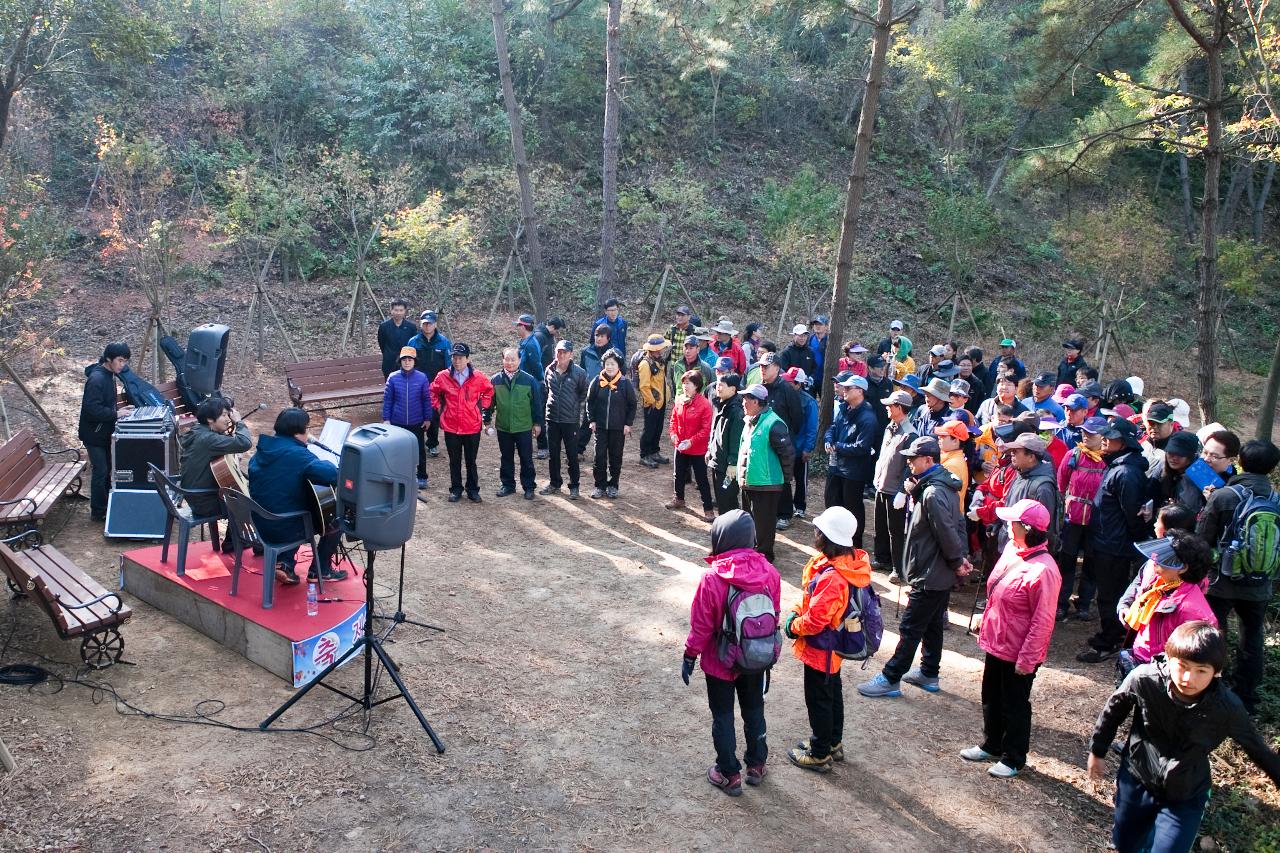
<point x="1022" y="597"/>
<point x="1165" y="594"/>
<point x="737" y="569"/>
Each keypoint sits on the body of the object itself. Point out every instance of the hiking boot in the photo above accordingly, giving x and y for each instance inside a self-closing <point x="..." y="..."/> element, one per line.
<point x="573" y="493"/>
<point x="1000" y="770"/>
<point x="977" y="753"/>
<point x="927" y="683"/>
<point x="783" y="524"/>
<point x="674" y="503"/>
<point x="804" y="759"/>
<point x="455" y="497"/>
<point x="755" y="775"/>
<point x="433" y="451"/>
<point x="549" y="490"/>
<point x="474" y="497"/>
<point x="504" y="491"/>
<point x="611" y="492"/>
<point x="660" y="459"/>
<point x="878" y="687"/>
<point x="528" y="495"/>
<point x="731" y="785"/>
<point x="1098" y="655"/>
<point x="598" y="493"/>
<point x="837" y="751"/>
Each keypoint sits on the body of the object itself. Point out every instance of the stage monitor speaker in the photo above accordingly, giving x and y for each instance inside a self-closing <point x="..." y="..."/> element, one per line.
<point x="377" y="486"/>
<point x="135" y="514"/>
<point x="206" y="358"/>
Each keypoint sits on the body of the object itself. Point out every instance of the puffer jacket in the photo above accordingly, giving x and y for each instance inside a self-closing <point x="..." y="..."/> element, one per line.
<point x="592" y="360"/>
<point x="611" y="405"/>
<point x="433" y="353"/>
<point x="1022" y="600"/>
<point x="891" y="466"/>
<point x="1038" y="484"/>
<point x="460" y="406"/>
<point x="852" y="437"/>
<point x="823" y="601"/>
<point x="1183" y="603"/>
<point x="652" y="385"/>
<point x="936" y="540"/>
<point x="734" y="562"/>
<point x="566" y="394"/>
<point x="1170" y="742"/>
<point x="97" y="407"/>
<point x="691" y="419"/>
<point x="1116" y="525"/>
<point x="530" y="352"/>
<point x="406" y="399"/>
<point x="1079" y="479"/>
<point x="726" y="434"/>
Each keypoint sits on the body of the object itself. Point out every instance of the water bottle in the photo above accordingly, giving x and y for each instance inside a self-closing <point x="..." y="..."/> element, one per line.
<point x="313" y="603"/>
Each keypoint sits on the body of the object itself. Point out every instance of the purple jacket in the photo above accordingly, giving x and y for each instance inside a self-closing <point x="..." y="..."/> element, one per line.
<point x="747" y="570"/>
<point x="406" y="399"/>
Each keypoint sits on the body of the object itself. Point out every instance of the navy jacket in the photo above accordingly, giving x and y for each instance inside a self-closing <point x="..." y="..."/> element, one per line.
<point x="98" y="407"/>
<point x="433" y="354"/>
<point x="853" y="436"/>
<point x="1115" y="525"/>
<point x="280" y="474"/>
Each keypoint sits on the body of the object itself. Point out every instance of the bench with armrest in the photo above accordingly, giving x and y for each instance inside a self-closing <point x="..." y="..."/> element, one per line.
<point x="335" y="383"/>
<point x="77" y="604"/>
<point x="183" y="413"/>
<point x="33" y="479"/>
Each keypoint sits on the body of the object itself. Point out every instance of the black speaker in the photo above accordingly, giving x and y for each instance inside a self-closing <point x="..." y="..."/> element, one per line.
<point x="135" y="514"/>
<point x="206" y="358"/>
<point x="377" y="486"/>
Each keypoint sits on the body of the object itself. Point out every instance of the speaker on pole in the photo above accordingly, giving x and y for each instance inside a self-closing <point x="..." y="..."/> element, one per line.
<point x="206" y="358"/>
<point x="378" y="487"/>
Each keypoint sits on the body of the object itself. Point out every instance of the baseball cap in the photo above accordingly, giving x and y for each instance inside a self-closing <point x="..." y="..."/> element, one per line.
<point x="691" y="341"/>
<point x="564" y="345"/>
<point x="937" y="349"/>
<point x="842" y="376"/>
<point x="799" y="329"/>
<point x="409" y="352"/>
<point x="1029" y="441"/>
<point x="900" y="398"/>
<point x="821" y="319"/>
<point x="925" y="445"/>
<point x="795" y="374"/>
<point x="1122" y="429"/>
<point x="1030" y="512"/>
<point x="1159" y="413"/>
<point x="1183" y="443"/>
<point x="757" y="390"/>
<point x="524" y="320"/>
<point x="766" y="357"/>
<point x="1073" y="343"/>
<point x="460" y="349"/>
<point x="1008" y="342"/>
<point x="1062" y="392"/>
<point x="1075" y="401"/>
<point x="875" y="361"/>
<point x="1094" y="425"/>
<point x="724" y="364"/>
<point x="1160" y="551"/>
<point x="428" y="317"/>
<point x="955" y="429"/>
<point x="854" y="381"/>
<point x="896" y="325"/>
<point x="683" y="309"/>
<point x="1092" y="388"/>
<point x="1044" y="379"/>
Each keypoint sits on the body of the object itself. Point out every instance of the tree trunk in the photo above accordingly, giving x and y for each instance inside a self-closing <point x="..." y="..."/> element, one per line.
<point x="609" y="174"/>
<point x="853" y="199"/>
<point x="1270" y="397"/>
<point x="1241" y="176"/>
<point x="6" y="101"/>
<point x="527" y="217"/>
<point x="1260" y="201"/>
<point x="1207" y="305"/>
<point x="998" y="175"/>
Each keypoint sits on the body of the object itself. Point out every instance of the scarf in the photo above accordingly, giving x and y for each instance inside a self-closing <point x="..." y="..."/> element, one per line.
<point x="611" y="384"/>
<point x="1144" y="607"/>
<point x="1093" y="455"/>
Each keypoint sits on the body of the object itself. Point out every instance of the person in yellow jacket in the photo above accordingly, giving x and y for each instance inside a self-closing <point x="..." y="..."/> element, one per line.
<point x="951" y="435"/>
<point x="903" y="363"/>
<point x="826" y="580"/>
<point x="654" y="393"/>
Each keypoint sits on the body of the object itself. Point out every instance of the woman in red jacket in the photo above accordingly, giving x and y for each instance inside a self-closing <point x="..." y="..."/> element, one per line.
<point x="690" y="432"/>
<point x="1022" y="599"/>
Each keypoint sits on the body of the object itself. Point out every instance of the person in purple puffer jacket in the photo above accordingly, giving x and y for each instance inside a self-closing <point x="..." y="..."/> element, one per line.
<point x="406" y="403"/>
<point x="734" y="563"/>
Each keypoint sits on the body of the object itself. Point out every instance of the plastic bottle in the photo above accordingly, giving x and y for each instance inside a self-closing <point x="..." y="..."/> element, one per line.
<point x="313" y="602"/>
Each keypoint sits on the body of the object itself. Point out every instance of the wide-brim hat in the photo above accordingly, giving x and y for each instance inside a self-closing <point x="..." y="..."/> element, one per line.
<point x="911" y="382"/>
<point x="656" y="343"/>
<point x="724" y="327"/>
<point x="938" y="388"/>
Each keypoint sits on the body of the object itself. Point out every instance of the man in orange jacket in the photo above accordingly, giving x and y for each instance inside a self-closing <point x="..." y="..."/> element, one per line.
<point x="825" y="581"/>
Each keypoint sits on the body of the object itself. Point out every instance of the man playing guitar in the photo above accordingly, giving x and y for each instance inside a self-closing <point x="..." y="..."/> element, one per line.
<point x="281" y="474"/>
<point x="218" y="431"/>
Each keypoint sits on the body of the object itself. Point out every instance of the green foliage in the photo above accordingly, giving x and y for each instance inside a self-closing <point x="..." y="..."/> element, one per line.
<point x="966" y="229"/>
<point x="803" y="207"/>
<point x="1246" y="267"/>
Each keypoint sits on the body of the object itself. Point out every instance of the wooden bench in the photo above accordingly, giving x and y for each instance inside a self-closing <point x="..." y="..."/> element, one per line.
<point x="336" y="382"/>
<point x="78" y="605"/>
<point x="169" y="390"/>
<point x="30" y="483"/>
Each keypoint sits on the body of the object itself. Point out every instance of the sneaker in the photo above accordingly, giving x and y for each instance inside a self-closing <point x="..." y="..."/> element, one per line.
<point x="674" y="503"/>
<point x="541" y="454"/>
<point x="454" y="498"/>
<point x="612" y="491"/>
<point x="528" y="495"/>
<point x="1000" y="770"/>
<point x="596" y="494"/>
<point x="1085" y="615"/>
<point x="573" y="493"/>
<point x="755" y="775"/>
<point x="504" y="491"/>
<point x="977" y="753"/>
<point x="799" y="513"/>
<point x="647" y="461"/>
<point x="549" y="490"/>
<point x="329" y="573"/>
<point x="474" y="497"/>
<point x="783" y="524"/>
<point x="1098" y="655"/>
<point x="803" y="759"/>
<point x="731" y="785"/>
<point x="708" y="515"/>
<point x="422" y="482"/>
<point x="433" y="451"/>
<point x="837" y="751"/>
<point x="927" y="683"/>
<point x="660" y="459"/>
<point x="879" y="686"/>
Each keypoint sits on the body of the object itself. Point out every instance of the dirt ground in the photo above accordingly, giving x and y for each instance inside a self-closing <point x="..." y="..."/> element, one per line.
<point x="556" y="689"/>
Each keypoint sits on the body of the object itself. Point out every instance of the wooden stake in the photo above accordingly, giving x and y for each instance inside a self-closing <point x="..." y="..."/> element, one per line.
<point x="17" y="380"/>
<point x="4" y="416"/>
<point x="955" y="309"/>
<point x="284" y="333"/>
<point x="786" y="304"/>
<point x="662" y="288"/>
<point x="972" y="319"/>
<point x="6" y="760"/>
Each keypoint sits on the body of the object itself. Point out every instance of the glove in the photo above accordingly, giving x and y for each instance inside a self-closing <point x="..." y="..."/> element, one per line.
<point x="731" y="473"/>
<point x="972" y="514"/>
<point x="686" y="668"/>
<point x="786" y="626"/>
<point x="684" y="445"/>
<point x="900" y="500"/>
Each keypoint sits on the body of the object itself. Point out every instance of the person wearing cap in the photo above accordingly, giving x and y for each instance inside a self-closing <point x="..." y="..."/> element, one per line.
<point x="530" y="348"/>
<point x="724" y="344"/>
<point x="1037" y="479"/>
<point x="1116" y="525"/>
<point x="565" y="385"/>
<point x="394" y="334"/>
<point x="825" y="583"/>
<point x="977" y="385"/>
<point x="518" y="413"/>
<point x="459" y="395"/>
<point x="993" y="492"/>
<point x="652" y="387"/>
<point x="1076" y="409"/>
<point x="611" y="410"/>
<point x="806" y="440"/>
<point x="958" y="399"/>
<point x="1079" y="478"/>
<point x="690" y="434"/>
<point x="735" y="567"/>
<point x="935" y="557"/>
<point x="1168" y="475"/>
<point x="1165" y="594"/>
<point x="406" y="403"/>
<point x="1009" y="360"/>
<point x="755" y="372"/>
<point x="705" y="352"/>
<point x="433" y="350"/>
<point x="936" y="354"/>
<point x="818" y="327"/>
<point x="888" y="479"/>
<point x="854" y="359"/>
<point x="1093" y="392"/>
<point x="591" y="360"/>
<point x="788" y="403"/>
<point x="850" y="443"/>
<point x="617" y="326"/>
<point x="1062" y="392"/>
<point x="766" y="457"/>
<point x="889" y="345"/>
<point x="799" y="354"/>
<point x="1072" y="362"/>
<point x="98" y="421"/>
<point x="725" y="441"/>
<point x="935" y="409"/>
<point x="1158" y="426"/>
<point x="689" y="361"/>
<point x="951" y="437"/>
<point x="681" y="330"/>
<point x="1017" y="625"/>
<point x="1041" y="399"/>
<point x="879" y="387"/>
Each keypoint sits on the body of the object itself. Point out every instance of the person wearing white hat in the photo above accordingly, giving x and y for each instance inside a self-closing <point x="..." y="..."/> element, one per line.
<point x="800" y="354"/>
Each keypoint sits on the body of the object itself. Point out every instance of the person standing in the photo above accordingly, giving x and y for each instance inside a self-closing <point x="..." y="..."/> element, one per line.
<point x="1041" y="399"/>
<point x="529" y="348"/>
<point x="977" y="383"/>
<point x="394" y="334"/>
<point x="517" y="411"/>
<point x="689" y="362"/>
<point x="1079" y="478"/>
<point x="735" y="569"/>
<point x="1164" y="594"/>
<point x="98" y="422"/>
<point x="433" y="350"/>
<point x="1017" y="624"/>
<point x="818" y="329"/>
<point x="611" y="409"/>
<point x="934" y="559"/>
<point x="785" y="402"/>
<point x="1036" y="479"/>
<point x="681" y="331"/>
<point x="617" y="326"/>
<point x="850" y="443"/>
<point x="1072" y="362"/>
<point x="651" y="374"/>
<point x="765" y="459"/>
<point x="726" y="439"/>
<point x="805" y="441"/>
<point x="935" y="409"/>
<point x="724" y="344"/>
<point x="566" y="389"/>
<point x="592" y="362"/>
<point x="690" y="435"/>
<point x="879" y="388"/>
<point x="1005" y="395"/>
<point x="459" y="395"/>
<point x="1168" y="475"/>
<point x="799" y="354"/>
<point x="218" y="431"/>
<point x="406" y="403"/>
<point x="1008" y="359"/>
<point x="890" y="475"/>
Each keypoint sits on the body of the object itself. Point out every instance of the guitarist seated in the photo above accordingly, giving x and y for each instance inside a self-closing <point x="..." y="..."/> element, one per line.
<point x="280" y="478"/>
<point x="218" y="430"/>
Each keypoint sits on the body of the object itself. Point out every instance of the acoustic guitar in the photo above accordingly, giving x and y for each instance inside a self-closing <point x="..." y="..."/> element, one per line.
<point x="228" y="473"/>
<point x="324" y="507"/>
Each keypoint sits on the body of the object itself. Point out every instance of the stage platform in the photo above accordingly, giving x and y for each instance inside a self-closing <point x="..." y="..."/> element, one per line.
<point x="283" y="640"/>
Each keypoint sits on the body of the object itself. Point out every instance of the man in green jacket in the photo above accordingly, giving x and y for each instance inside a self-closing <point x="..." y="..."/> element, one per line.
<point x="765" y="460"/>
<point x="517" y="412"/>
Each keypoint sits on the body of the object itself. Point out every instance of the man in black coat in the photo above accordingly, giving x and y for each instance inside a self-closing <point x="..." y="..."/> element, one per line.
<point x="394" y="334"/>
<point x="98" y="422"/>
<point x="799" y="354"/>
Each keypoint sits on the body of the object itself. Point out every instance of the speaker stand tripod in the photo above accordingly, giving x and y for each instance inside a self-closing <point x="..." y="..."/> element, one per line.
<point x="371" y="646"/>
<point x="398" y="618"/>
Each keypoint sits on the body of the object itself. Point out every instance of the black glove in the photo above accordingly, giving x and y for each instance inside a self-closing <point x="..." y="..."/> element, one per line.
<point x="686" y="668"/>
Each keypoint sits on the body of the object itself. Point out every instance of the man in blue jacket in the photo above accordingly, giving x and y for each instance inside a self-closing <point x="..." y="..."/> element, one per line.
<point x="433" y="356"/>
<point x="617" y="326"/>
<point x="851" y="443"/>
<point x="805" y="440"/>
<point x="406" y="403"/>
<point x="280" y="478"/>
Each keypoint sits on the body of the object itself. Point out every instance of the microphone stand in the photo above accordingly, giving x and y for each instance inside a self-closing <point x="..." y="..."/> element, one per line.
<point x="399" y="618"/>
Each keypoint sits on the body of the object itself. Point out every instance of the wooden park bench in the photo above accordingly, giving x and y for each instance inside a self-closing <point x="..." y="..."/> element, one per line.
<point x="169" y="390"/>
<point x="335" y="382"/>
<point x="78" y="605"/>
<point x="32" y="481"/>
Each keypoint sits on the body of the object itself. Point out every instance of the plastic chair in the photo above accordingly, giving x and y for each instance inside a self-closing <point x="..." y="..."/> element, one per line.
<point x="243" y="515"/>
<point x="177" y="503"/>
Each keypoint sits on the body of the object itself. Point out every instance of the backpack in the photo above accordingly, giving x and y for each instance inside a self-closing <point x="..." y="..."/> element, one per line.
<point x="1249" y="549"/>
<point x="750" y="639"/>
<point x="861" y="627"/>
